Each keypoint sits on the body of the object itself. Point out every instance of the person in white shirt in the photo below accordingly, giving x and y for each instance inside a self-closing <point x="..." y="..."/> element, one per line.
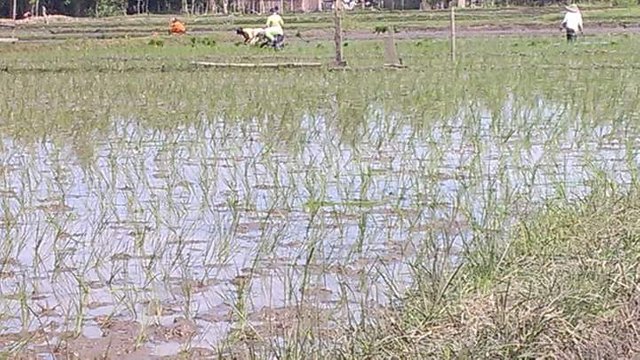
<point x="572" y="22"/>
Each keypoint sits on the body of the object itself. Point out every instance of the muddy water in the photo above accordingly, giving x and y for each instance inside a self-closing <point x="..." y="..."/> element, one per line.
<point x="188" y="233"/>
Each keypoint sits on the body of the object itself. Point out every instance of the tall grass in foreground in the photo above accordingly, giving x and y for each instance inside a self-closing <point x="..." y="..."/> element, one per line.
<point x="565" y="285"/>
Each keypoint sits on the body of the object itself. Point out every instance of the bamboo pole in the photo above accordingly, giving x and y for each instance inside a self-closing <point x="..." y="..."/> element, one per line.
<point x="453" y="33"/>
<point x="257" y="65"/>
<point x="337" y="15"/>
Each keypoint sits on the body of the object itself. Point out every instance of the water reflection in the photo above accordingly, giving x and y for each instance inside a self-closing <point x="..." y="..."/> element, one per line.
<point x="183" y="217"/>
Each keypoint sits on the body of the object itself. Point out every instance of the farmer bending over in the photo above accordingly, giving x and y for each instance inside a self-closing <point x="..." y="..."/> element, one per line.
<point x="176" y="27"/>
<point x="251" y="35"/>
<point x="572" y="22"/>
<point x="274" y="31"/>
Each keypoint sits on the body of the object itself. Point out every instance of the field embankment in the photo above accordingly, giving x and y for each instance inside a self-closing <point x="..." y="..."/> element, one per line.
<point x="319" y="26"/>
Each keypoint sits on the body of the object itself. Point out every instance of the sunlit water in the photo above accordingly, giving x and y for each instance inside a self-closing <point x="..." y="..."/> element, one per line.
<point x="135" y="219"/>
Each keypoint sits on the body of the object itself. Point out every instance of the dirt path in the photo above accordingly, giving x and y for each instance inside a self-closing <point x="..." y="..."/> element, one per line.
<point x="485" y="31"/>
<point x="325" y="35"/>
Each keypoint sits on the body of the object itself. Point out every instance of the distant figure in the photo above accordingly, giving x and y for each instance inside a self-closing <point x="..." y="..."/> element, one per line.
<point x="275" y="19"/>
<point x="251" y="35"/>
<point x="274" y="31"/>
<point x="24" y="16"/>
<point x="177" y="27"/>
<point x="572" y="22"/>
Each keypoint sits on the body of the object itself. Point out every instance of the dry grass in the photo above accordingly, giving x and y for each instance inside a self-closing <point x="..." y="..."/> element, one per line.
<point x="565" y="287"/>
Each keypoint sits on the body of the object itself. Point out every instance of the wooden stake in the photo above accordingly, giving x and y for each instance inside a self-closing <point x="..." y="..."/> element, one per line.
<point x="15" y="5"/>
<point x="259" y="65"/>
<point x="337" y="15"/>
<point x="453" y="33"/>
<point x="391" y="57"/>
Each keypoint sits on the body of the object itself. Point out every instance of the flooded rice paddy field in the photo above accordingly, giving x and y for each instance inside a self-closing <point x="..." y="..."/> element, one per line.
<point x="148" y="214"/>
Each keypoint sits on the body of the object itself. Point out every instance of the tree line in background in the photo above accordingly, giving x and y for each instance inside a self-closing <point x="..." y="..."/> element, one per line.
<point x="105" y="7"/>
<point x="119" y="7"/>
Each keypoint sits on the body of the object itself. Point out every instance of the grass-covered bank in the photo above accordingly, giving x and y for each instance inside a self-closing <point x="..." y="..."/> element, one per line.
<point x="565" y="285"/>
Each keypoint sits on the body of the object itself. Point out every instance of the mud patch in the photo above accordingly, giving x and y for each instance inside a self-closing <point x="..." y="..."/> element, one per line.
<point x="278" y="322"/>
<point x="119" y="341"/>
<point x="180" y="331"/>
<point x="217" y="314"/>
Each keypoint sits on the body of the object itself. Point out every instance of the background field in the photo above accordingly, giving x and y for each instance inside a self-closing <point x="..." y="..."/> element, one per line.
<point x="478" y="209"/>
<point x="357" y="24"/>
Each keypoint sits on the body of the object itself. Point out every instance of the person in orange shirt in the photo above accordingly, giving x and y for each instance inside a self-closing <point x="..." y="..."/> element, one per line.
<point x="177" y="27"/>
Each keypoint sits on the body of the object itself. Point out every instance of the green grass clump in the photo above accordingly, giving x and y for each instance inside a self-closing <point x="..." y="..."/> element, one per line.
<point x="380" y="29"/>
<point x="156" y="42"/>
<point x="565" y="284"/>
<point x="202" y="41"/>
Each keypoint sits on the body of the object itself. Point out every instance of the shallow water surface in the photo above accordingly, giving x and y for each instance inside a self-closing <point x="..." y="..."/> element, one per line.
<point x="205" y="228"/>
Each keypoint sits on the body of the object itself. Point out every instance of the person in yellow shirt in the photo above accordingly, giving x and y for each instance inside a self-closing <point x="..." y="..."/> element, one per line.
<point x="274" y="32"/>
<point x="177" y="27"/>
<point x="275" y="19"/>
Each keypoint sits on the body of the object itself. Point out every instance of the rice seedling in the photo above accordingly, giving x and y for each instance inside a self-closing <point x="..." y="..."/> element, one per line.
<point x="315" y="213"/>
